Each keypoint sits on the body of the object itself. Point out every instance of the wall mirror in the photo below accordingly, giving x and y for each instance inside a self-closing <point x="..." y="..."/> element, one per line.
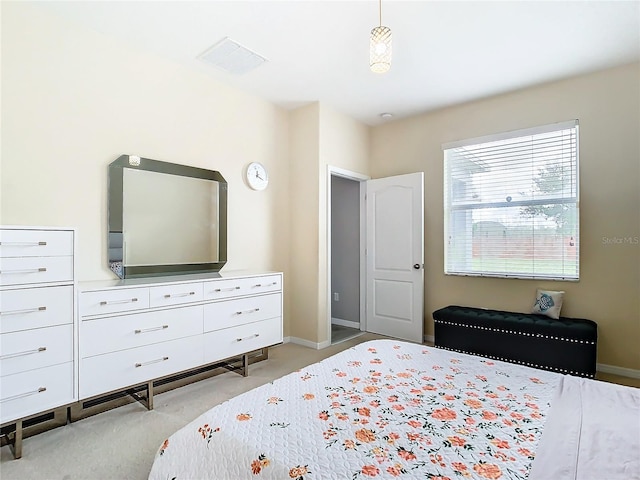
<point x="165" y="218"/>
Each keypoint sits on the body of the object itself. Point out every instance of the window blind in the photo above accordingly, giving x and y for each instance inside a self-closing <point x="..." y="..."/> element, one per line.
<point x="511" y="204"/>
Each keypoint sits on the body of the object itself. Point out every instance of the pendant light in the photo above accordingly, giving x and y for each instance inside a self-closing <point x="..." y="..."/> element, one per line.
<point x="380" y="46"/>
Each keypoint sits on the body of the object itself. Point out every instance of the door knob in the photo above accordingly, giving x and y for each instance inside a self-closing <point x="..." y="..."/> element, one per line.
<point x="416" y="266"/>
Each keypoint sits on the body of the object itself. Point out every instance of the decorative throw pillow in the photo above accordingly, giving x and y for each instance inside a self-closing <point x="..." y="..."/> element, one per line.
<point x="548" y="303"/>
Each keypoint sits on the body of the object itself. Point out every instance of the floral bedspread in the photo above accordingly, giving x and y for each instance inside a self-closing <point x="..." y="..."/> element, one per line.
<point x="382" y="409"/>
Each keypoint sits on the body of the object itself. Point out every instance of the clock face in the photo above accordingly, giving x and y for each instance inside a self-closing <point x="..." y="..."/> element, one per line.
<point x="257" y="176"/>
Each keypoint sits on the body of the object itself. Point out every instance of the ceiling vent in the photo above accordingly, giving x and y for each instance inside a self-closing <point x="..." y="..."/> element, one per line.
<point x="229" y="55"/>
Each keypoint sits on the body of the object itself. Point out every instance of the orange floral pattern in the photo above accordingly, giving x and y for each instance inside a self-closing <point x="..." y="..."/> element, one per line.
<point x="488" y="470"/>
<point x="164" y="446"/>
<point x="299" y="472"/>
<point x="384" y="409"/>
<point x="205" y="431"/>
<point x="259" y="463"/>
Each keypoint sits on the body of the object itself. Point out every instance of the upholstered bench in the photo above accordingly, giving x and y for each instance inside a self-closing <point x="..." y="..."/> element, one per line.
<point x="566" y="345"/>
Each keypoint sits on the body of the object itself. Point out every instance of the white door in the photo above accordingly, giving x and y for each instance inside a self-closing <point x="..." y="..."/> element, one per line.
<point x="395" y="256"/>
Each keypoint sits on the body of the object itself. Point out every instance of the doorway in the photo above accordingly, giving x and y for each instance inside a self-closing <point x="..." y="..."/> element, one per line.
<point x="346" y="262"/>
<point x="375" y="242"/>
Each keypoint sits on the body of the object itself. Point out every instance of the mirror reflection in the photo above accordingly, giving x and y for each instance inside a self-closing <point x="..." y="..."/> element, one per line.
<point x="175" y="218"/>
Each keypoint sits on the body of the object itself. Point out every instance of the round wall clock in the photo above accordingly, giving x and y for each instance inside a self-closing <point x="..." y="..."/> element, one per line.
<point x="257" y="176"/>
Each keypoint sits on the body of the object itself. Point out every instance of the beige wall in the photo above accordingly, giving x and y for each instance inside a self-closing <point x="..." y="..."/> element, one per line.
<point x="607" y="104"/>
<point x="303" y="281"/>
<point x="73" y="101"/>
<point x="320" y="136"/>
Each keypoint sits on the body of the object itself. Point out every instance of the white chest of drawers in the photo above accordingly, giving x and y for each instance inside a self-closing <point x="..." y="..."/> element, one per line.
<point x="37" y="329"/>
<point x="136" y="330"/>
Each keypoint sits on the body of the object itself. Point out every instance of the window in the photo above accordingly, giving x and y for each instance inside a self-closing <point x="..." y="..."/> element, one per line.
<point x="511" y="204"/>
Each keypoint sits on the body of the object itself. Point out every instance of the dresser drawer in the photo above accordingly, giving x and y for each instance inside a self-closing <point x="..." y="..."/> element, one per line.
<point x="36" y="243"/>
<point x="175" y="294"/>
<point x="113" y="301"/>
<point x="111" y="334"/>
<point x="35" y="391"/>
<point x="114" y="371"/>
<point x="28" y="308"/>
<point x="31" y="349"/>
<point x="234" y="341"/>
<point x="20" y="271"/>
<point x="230" y="313"/>
<point x="217" y="289"/>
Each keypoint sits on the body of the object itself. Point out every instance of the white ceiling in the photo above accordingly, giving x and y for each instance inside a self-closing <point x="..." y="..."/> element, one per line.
<point x="444" y="52"/>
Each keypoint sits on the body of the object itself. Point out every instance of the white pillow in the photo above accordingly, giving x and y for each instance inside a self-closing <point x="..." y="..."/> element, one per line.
<point x="548" y="303"/>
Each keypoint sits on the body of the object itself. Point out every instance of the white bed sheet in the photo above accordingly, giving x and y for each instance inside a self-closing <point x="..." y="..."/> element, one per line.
<point x="592" y="433"/>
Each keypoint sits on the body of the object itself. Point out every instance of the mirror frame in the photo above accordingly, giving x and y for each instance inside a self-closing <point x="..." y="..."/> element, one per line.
<point x="115" y="217"/>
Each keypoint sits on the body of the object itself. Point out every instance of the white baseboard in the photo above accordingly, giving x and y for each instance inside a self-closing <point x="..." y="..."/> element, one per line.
<point x="307" y="343"/>
<point x="429" y="339"/>
<point x="345" y="323"/>
<point x="622" y="371"/>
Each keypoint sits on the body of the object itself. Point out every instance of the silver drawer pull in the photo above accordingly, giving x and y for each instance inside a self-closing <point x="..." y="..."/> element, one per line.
<point x="26" y="310"/>
<point x="230" y="289"/>
<point x="253" y="310"/>
<point x="265" y="284"/>
<point x="152" y="329"/>
<point x="172" y="295"/>
<point x="248" y="338"/>
<point x="22" y="395"/>
<point x="151" y="362"/>
<point x="115" y="302"/>
<point x="31" y="270"/>
<point x="23" y="244"/>
<point x="26" y="352"/>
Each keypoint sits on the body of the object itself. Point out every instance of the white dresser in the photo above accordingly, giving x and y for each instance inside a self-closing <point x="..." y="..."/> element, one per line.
<point x="63" y="342"/>
<point x="37" y="331"/>
<point x="136" y="330"/>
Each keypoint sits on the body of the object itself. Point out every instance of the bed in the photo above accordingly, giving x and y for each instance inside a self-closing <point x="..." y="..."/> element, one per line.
<point x="391" y="409"/>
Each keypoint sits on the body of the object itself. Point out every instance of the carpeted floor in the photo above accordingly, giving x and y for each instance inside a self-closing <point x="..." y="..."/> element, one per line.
<point x="121" y="443"/>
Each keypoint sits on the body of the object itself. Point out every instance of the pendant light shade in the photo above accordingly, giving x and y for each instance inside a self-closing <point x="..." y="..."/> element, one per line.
<point x="380" y="47"/>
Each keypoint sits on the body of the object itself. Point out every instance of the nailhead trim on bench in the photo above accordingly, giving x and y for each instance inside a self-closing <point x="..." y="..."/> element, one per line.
<point x="515" y="332"/>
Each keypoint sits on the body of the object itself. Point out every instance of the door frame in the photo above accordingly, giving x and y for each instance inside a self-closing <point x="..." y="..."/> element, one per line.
<point x="361" y="179"/>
